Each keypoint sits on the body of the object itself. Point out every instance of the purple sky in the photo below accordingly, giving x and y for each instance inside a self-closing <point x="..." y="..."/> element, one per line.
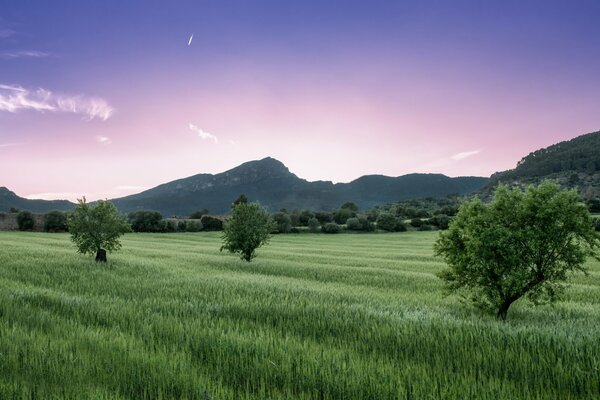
<point x="108" y="99"/>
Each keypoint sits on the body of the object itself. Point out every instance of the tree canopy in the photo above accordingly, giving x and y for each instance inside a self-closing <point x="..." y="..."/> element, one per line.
<point x="248" y="228"/>
<point x="522" y="244"/>
<point x="97" y="228"/>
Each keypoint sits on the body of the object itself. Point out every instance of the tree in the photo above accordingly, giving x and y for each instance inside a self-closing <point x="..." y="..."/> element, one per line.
<point x="331" y="227"/>
<point x="248" y="228"/>
<point x="97" y="228"/>
<point x="209" y="223"/>
<point x="146" y="221"/>
<point x="387" y="222"/>
<point x="55" y="221"/>
<point x="283" y="221"/>
<point x="350" y="206"/>
<point x="242" y="199"/>
<point x="314" y="225"/>
<point x="198" y="214"/>
<point x="522" y="244"/>
<point x="25" y="221"/>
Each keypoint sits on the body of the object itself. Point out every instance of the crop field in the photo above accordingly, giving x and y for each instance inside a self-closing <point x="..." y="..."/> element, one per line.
<point x="349" y="316"/>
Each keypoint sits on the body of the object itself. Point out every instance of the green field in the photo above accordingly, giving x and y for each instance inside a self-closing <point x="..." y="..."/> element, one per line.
<point x="312" y="317"/>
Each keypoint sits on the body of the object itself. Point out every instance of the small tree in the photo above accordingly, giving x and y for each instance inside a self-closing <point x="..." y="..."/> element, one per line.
<point x="387" y="222"/>
<point x="313" y="225"/>
<point x="522" y="244"/>
<point x="97" y="228"/>
<point x="331" y="227"/>
<point x="283" y="221"/>
<point x="248" y="228"/>
<point x="198" y="214"/>
<point x="55" y="221"/>
<point x="146" y="221"/>
<point x="25" y="221"/>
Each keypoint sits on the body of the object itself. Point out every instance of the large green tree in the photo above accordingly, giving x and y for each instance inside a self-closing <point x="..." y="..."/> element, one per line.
<point x="97" y="228"/>
<point x="524" y="243"/>
<point x="248" y="228"/>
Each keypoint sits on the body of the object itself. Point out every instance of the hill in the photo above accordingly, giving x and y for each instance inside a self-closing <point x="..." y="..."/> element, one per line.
<point x="10" y="200"/>
<point x="272" y="184"/>
<point x="573" y="163"/>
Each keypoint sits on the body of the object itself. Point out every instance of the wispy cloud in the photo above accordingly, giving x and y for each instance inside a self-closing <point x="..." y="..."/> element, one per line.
<point x="10" y="144"/>
<point x="5" y="33"/>
<point x="15" y="98"/>
<point x="203" y="135"/>
<point x="7" y="55"/>
<point x="54" y="196"/>
<point x="465" y="154"/>
<point x="103" y="140"/>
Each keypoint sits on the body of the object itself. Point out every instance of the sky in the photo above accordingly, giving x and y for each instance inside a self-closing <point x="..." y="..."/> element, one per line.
<point x="105" y="99"/>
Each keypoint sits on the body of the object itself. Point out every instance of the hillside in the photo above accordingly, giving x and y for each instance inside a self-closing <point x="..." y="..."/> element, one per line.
<point x="10" y="200"/>
<point x="272" y="184"/>
<point x="573" y="163"/>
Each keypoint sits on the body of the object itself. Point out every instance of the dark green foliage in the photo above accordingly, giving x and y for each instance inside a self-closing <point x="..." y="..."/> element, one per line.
<point x="305" y="216"/>
<point x="597" y="224"/>
<point x="283" y="221"/>
<point x="55" y="221"/>
<point x="242" y="199"/>
<point x="14" y="210"/>
<point x="416" y="222"/>
<point x="581" y="154"/>
<point x="169" y="226"/>
<point x="182" y="226"/>
<point x="146" y="221"/>
<point x="331" y="227"/>
<point x="426" y="227"/>
<point x="25" y="221"/>
<point x="248" y="228"/>
<point x="97" y="228"/>
<point x="522" y="244"/>
<point x="198" y="214"/>
<point x="314" y="225"/>
<point x="594" y="205"/>
<point x="211" y="223"/>
<point x="195" y="226"/>
<point x="387" y="222"/>
<point x="350" y="206"/>
<point x="323" y="217"/>
<point x="295" y="230"/>
<point x="295" y="218"/>
<point x="441" y="221"/>
<point x="359" y="224"/>
<point x="341" y="216"/>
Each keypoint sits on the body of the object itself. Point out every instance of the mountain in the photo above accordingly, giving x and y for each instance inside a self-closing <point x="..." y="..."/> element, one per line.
<point x="573" y="163"/>
<point x="274" y="186"/>
<point x="10" y="200"/>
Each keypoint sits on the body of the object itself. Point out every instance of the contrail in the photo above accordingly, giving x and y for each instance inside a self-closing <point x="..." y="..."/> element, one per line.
<point x="190" y="41"/>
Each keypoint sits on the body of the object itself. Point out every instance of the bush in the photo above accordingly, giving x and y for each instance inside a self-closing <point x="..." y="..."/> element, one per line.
<point x="442" y="221"/>
<point x="313" y="225"/>
<point x="182" y="226"/>
<point x="387" y="222"/>
<point x="283" y="221"/>
<point x="416" y="222"/>
<point x="55" y="221"/>
<point x="597" y="224"/>
<point x="323" y="217"/>
<point x="211" y="223"/>
<point x="350" y="206"/>
<point x="25" y="221"/>
<point x="146" y="221"/>
<point x="305" y="216"/>
<point x="341" y="216"/>
<point x="194" y="226"/>
<point x="331" y="227"/>
<point x="426" y="227"/>
<point x="353" y="224"/>
<point x="169" y="226"/>
<point x="14" y="210"/>
<point x="295" y="230"/>
<point x="199" y="214"/>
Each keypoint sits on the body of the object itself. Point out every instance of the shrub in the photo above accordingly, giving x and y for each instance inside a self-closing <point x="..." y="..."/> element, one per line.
<point x="313" y="225"/>
<point x="323" y="217"/>
<point x="169" y="226"/>
<point x="294" y="230"/>
<point x="350" y="206"/>
<point x="387" y="222"/>
<point x="597" y="224"/>
<point x="426" y="227"/>
<point x="146" y="221"/>
<point x="247" y="229"/>
<point x="211" y="223"/>
<point x="55" y="221"/>
<point x="305" y="216"/>
<point x="353" y="224"/>
<point x="97" y="228"/>
<point x="198" y="214"/>
<point x="194" y="226"/>
<point x="341" y="216"/>
<point x="25" y="221"/>
<point x="182" y="226"/>
<point x="331" y="227"/>
<point x="14" y="210"/>
<point x="442" y="221"/>
<point x="283" y="221"/>
<point x="416" y="222"/>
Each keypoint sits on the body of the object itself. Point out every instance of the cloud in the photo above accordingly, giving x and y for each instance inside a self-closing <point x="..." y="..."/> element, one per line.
<point x="16" y="98"/>
<point x="203" y="135"/>
<point x="10" y="144"/>
<point x="7" y="55"/>
<point x="465" y="154"/>
<point x="54" y="196"/>
<point x="103" y="139"/>
<point x="5" y="33"/>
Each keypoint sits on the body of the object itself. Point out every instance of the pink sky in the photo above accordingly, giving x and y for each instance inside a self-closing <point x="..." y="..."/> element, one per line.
<point x="437" y="92"/>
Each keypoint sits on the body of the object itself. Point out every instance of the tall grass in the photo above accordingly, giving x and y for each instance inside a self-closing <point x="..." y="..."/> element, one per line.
<point x="312" y="317"/>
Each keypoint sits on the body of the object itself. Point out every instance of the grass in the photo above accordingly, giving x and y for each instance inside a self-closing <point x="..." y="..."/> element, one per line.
<point x="312" y="317"/>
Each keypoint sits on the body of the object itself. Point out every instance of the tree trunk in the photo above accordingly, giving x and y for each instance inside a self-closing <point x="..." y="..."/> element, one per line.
<point x="248" y="256"/>
<point x="101" y="255"/>
<point x="503" y="309"/>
